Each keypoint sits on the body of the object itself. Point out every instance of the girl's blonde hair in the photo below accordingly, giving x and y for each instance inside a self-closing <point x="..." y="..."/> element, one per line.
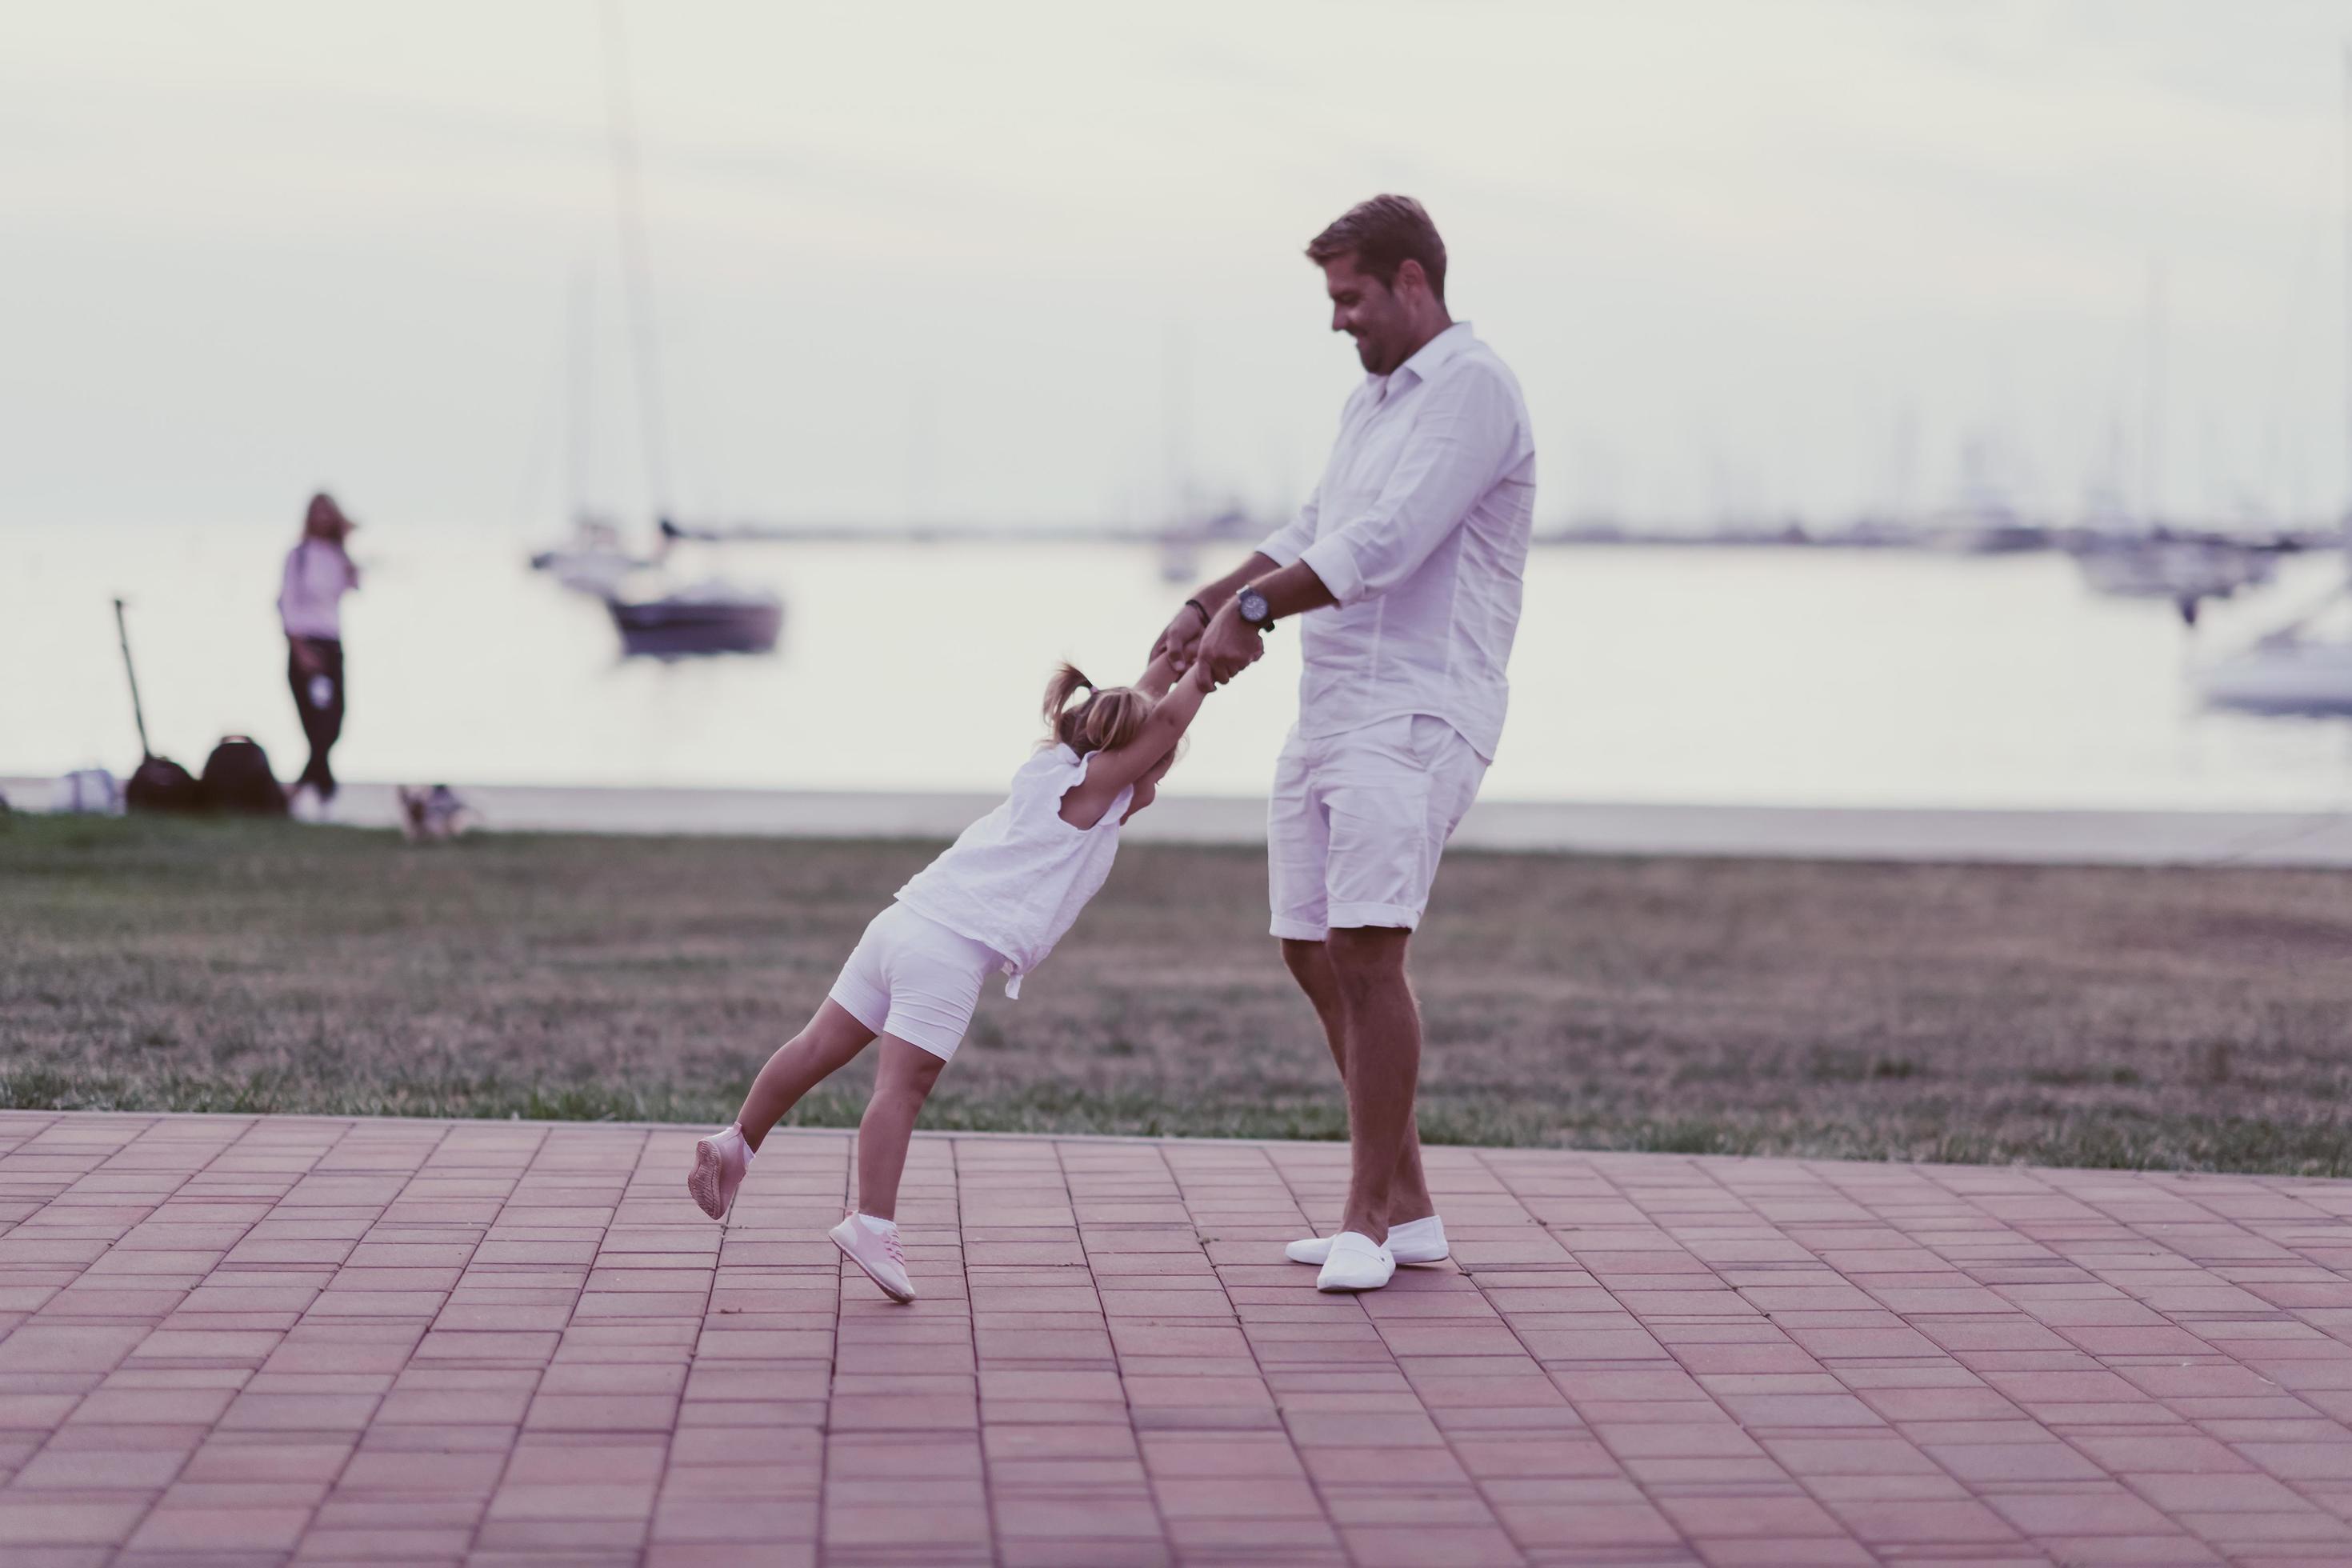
<point x="1102" y="719"/>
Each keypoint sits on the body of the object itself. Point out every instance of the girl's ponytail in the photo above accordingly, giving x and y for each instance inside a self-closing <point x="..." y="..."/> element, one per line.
<point x="1061" y="718"/>
<point x="1101" y="721"/>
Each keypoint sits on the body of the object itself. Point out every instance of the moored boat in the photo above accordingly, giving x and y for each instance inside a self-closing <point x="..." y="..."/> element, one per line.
<point x="714" y="616"/>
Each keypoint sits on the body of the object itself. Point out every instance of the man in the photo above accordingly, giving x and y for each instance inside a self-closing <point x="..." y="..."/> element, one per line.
<point x="1405" y="566"/>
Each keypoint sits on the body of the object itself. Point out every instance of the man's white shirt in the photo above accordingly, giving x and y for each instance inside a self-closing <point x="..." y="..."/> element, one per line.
<point x="1419" y="529"/>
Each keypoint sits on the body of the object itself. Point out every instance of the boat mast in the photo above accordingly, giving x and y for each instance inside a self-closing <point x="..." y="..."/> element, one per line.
<point x="1175" y="421"/>
<point x="636" y="259"/>
<point x="2151" y="454"/>
<point x="580" y="376"/>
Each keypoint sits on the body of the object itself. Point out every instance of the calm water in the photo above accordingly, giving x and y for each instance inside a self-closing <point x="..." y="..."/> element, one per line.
<point x="1709" y="676"/>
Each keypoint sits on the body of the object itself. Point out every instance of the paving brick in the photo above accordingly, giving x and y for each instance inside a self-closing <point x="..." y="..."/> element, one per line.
<point x="427" y="1341"/>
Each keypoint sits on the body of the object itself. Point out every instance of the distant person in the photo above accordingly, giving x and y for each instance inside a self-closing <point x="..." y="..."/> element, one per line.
<point x="319" y="572"/>
<point x="997" y="899"/>
<point x="1405" y="567"/>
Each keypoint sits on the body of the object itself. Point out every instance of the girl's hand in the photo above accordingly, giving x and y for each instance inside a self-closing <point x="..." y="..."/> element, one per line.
<point x="1181" y="639"/>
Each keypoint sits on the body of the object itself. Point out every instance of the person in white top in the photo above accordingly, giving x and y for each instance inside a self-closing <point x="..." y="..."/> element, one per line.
<point x="319" y="572"/>
<point x="1405" y="569"/>
<point x="996" y="901"/>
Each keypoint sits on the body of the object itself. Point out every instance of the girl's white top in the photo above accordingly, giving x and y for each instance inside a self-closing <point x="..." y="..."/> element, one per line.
<point x="1017" y="877"/>
<point x="310" y="596"/>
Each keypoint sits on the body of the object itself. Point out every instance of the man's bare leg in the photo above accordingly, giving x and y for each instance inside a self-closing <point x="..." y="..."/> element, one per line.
<point x="1309" y="963"/>
<point x="1383" y="1068"/>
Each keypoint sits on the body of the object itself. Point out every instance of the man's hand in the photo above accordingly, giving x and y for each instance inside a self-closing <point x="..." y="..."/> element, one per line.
<point x="308" y="662"/>
<point x="1182" y="640"/>
<point x="1229" y="647"/>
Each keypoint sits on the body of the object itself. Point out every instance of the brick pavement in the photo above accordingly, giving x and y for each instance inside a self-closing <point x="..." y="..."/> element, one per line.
<point x="229" y="1340"/>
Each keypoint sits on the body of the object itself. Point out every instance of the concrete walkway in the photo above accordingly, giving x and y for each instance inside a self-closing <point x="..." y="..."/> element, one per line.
<point x="1809" y="833"/>
<point x="246" y="1341"/>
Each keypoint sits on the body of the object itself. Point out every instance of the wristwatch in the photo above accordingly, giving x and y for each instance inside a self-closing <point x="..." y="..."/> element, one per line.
<point x="1255" y="613"/>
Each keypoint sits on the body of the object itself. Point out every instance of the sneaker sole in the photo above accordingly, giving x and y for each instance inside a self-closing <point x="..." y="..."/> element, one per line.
<point x="885" y="1287"/>
<point x="1351" y="1289"/>
<point x="702" y="1184"/>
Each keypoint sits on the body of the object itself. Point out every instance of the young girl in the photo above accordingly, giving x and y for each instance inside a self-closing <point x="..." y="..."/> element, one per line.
<point x="998" y="900"/>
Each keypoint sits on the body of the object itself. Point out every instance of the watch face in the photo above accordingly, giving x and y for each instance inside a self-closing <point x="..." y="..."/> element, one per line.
<point x="1253" y="605"/>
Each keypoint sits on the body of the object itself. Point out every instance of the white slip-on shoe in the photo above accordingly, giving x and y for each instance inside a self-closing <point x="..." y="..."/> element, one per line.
<point x="1415" y="1241"/>
<point x="720" y="1162"/>
<point x="877" y="1252"/>
<point x="1357" y="1263"/>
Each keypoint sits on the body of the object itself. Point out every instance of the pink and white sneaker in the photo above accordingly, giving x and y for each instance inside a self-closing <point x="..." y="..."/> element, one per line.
<point x="720" y="1163"/>
<point x="873" y="1244"/>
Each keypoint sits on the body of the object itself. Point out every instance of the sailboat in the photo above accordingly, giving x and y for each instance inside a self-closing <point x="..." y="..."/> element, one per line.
<point x="1179" y="559"/>
<point x="1182" y="540"/>
<point x="658" y="618"/>
<point x="1984" y="522"/>
<point x="2161" y="566"/>
<point x="2303" y="668"/>
<point x="710" y="617"/>
<point x="2124" y="554"/>
<point x="2184" y="568"/>
<point x="592" y="561"/>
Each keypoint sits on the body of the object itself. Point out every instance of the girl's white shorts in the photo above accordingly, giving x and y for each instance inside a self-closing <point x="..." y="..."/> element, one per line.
<point x="912" y="977"/>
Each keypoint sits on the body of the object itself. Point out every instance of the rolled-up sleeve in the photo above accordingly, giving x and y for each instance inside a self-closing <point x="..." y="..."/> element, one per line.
<point x="1455" y="453"/>
<point x="1289" y="542"/>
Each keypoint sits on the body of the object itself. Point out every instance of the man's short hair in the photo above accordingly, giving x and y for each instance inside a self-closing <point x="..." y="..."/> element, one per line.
<point x="1383" y="234"/>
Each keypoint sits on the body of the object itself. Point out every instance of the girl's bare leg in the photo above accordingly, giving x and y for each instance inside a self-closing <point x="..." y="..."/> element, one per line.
<point x="902" y="1082"/>
<point x="831" y="1042"/>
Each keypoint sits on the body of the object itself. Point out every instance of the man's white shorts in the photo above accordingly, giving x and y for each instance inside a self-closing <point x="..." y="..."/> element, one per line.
<point x="912" y="977"/>
<point x="1357" y="823"/>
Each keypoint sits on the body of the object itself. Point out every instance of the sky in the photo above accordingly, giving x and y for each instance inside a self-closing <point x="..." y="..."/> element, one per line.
<point x="1041" y="262"/>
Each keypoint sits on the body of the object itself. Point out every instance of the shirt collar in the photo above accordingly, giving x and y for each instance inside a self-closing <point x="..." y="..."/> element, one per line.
<point x="1433" y="355"/>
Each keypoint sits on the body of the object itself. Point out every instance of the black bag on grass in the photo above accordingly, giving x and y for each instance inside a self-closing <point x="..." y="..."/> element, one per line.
<point x="238" y="780"/>
<point x="158" y="783"/>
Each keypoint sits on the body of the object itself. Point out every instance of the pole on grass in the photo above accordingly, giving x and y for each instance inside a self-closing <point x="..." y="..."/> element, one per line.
<point x="123" y="632"/>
